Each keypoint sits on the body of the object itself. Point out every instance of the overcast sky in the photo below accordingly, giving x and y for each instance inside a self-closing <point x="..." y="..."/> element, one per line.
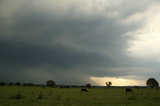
<point x="80" y="41"/>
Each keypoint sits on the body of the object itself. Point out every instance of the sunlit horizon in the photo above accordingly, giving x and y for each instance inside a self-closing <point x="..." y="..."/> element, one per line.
<point x="101" y="81"/>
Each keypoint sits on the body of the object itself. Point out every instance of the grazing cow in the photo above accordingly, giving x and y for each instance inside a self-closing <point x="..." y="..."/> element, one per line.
<point x="84" y="90"/>
<point x="129" y="90"/>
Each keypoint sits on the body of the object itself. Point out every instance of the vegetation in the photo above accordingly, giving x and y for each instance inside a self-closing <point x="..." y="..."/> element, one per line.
<point x="88" y="85"/>
<point x="152" y="83"/>
<point x="108" y="84"/>
<point x="37" y="96"/>
<point x="50" y="83"/>
<point x="2" y="83"/>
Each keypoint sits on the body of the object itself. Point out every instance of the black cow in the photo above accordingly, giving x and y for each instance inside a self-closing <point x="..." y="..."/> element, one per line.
<point x="84" y="90"/>
<point x="129" y="90"/>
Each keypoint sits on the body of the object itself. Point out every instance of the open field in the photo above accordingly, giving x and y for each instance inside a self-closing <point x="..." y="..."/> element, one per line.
<point x="37" y="96"/>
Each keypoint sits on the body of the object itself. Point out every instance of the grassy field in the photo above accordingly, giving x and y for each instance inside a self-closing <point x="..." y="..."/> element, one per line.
<point x="37" y="96"/>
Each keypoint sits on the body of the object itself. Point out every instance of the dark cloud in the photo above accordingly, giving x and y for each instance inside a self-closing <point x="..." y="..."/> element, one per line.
<point x="32" y="55"/>
<point x="65" y="42"/>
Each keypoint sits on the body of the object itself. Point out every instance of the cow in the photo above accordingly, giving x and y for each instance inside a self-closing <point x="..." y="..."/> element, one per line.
<point x="129" y="90"/>
<point x="84" y="90"/>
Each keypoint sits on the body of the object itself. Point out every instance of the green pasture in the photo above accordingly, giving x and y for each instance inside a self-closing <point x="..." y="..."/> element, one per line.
<point x="37" y="96"/>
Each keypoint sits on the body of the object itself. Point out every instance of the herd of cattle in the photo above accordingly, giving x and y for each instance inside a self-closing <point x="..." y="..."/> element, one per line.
<point x="128" y="90"/>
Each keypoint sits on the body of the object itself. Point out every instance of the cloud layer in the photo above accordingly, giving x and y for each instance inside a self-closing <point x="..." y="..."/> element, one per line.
<point x="71" y="41"/>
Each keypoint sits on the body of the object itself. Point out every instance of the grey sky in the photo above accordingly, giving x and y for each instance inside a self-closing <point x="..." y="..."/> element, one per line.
<point x="70" y="41"/>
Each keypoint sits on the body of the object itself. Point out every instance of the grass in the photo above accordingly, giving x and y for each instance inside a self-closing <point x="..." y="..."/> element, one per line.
<point x="36" y="96"/>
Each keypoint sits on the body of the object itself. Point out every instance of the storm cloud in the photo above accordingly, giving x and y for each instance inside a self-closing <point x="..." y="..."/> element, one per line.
<point x="70" y="41"/>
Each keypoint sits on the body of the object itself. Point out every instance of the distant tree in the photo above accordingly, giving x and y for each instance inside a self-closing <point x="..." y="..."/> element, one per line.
<point x="151" y="82"/>
<point x="30" y="84"/>
<point x="25" y="84"/>
<point x="109" y="84"/>
<point x="10" y="83"/>
<point x="88" y="85"/>
<point x="50" y="83"/>
<point x="2" y="83"/>
<point x="18" y="83"/>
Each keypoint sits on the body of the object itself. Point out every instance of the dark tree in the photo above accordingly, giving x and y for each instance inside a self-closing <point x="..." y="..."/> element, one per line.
<point x="151" y="82"/>
<point x="25" y="84"/>
<point x="10" y="83"/>
<point x="2" y="83"/>
<point x="50" y="83"/>
<point x="18" y="83"/>
<point x="108" y="84"/>
<point x="88" y="85"/>
<point x="30" y="84"/>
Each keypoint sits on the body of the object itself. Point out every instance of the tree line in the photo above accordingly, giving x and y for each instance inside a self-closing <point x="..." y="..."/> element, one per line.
<point x="151" y="82"/>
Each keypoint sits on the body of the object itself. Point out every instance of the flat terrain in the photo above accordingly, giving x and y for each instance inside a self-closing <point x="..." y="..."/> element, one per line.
<point x="37" y="96"/>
